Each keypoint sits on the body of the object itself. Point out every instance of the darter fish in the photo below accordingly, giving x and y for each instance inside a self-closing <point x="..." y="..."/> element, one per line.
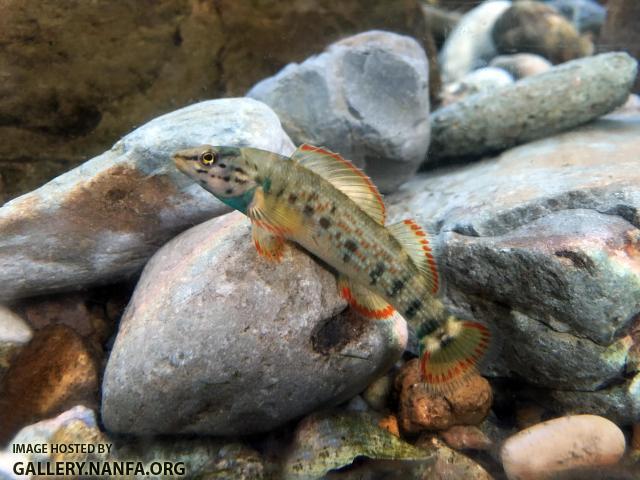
<point x="324" y="203"/>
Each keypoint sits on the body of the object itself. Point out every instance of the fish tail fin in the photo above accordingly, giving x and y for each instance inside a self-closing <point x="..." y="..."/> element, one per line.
<point x="449" y="354"/>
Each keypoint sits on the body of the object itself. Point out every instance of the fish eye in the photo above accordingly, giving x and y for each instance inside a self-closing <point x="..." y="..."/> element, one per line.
<point x="207" y="158"/>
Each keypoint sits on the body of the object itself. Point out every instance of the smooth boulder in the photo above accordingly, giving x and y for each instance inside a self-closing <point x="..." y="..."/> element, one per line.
<point x="100" y="222"/>
<point x="561" y="445"/>
<point x="241" y="344"/>
<point x="366" y="97"/>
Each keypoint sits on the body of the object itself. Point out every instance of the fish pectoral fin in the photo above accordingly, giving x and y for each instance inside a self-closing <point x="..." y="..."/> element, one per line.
<point x="449" y="354"/>
<point x="272" y="215"/>
<point x="268" y="245"/>
<point x="419" y="246"/>
<point x="345" y="176"/>
<point x="364" y="301"/>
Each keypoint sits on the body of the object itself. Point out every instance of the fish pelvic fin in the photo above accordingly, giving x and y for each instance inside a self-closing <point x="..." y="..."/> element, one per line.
<point x="364" y="301"/>
<point x="450" y="354"/>
<point x="345" y="176"/>
<point x="421" y="249"/>
<point x="268" y="245"/>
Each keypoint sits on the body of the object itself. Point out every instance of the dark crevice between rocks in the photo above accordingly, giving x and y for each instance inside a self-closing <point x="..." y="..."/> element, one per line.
<point x="334" y="334"/>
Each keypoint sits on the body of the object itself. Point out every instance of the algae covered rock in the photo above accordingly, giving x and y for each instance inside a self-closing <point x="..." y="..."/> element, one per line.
<point x="100" y="222"/>
<point x="242" y="345"/>
<point x="366" y="97"/>
<point x="536" y="107"/>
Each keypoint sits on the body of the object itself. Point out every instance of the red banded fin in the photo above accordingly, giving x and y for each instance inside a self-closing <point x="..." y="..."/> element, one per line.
<point x="345" y="176"/>
<point x="363" y="301"/>
<point x="419" y="246"/>
<point x="268" y="245"/>
<point x="449" y="356"/>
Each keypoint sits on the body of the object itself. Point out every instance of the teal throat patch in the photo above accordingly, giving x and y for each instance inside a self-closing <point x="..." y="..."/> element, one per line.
<point x="241" y="202"/>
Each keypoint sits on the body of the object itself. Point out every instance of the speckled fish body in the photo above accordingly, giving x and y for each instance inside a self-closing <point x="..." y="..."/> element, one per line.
<point x="322" y="202"/>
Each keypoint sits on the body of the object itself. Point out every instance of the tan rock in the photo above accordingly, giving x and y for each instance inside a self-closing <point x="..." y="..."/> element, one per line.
<point x="52" y="373"/>
<point x="561" y="445"/>
<point x="466" y="437"/>
<point x="421" y="410"/>
<point x="448" y="463"/>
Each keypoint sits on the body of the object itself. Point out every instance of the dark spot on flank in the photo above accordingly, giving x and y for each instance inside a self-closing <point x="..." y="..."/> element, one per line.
<point x="324" y="222"/>
<point x="280" y="192"/>
<point x="239" y="181"/>
<point x="397" y="286"/>
<point x="292" y="198"/>
<point x="226" y="178"/>
<point x="313" y="196"/>
<point x="240" y="170"/>
<point x="229" y="191"/>
<point x="377" y="272"/>
<point x="413" y="309"/>
<point x="338" y="235"/>
<point x="201" y="170"/>
<point x="333" y="208"/>
<point x="346" y="258"/>
<point x="223" y="165"/>
<point x="351" y="245"/>
<point x="308" y="210"/>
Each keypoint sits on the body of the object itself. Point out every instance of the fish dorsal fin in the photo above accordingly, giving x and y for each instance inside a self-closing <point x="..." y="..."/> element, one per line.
<point x="418" y="245"/>
<point x="345" y="176"/>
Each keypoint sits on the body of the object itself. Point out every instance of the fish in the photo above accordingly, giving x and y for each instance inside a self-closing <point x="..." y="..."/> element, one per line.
<point x="322" y="202"/>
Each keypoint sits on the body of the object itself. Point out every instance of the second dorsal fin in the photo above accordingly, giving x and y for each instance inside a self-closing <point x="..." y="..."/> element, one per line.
<point x="343" y="175"/>
<point x="417" y="244"/>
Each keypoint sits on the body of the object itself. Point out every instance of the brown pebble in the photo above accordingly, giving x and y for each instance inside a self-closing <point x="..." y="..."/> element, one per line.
<point x="54" y="372"/>
<point x="466" y="437"/>
<point x="421" y="410"/>
<point x="390" y="424"/>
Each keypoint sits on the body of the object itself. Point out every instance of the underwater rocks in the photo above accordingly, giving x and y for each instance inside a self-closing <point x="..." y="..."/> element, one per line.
<point x="533" y="27"/>
<point x="55" y="371"/>
<point x="561" y="445"/>
<point x="585" y="15"/>
<point x="581" y="90"/>
<point x="542" y="243"/>
<point x="366" y="97"/>
<point x="241" y="344"/>
<point x="101" y="221"/>
<point x="119" y="64"/>
<point x="421" y="410"/>
<point x="469" y="45"/>
<point x="521" y="65"/>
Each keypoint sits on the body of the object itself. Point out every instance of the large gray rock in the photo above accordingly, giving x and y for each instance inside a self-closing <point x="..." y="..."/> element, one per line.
<point x="543" y="243"/>
<point x="469" y="45"/>
<point x="217" y="340"/>
<point x="535" y="107"/>
<point x="101" y="221"/>
<point x="366" y="97"/>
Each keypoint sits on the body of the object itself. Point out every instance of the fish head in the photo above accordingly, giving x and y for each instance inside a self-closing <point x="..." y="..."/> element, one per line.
<point x="223" y="171"/>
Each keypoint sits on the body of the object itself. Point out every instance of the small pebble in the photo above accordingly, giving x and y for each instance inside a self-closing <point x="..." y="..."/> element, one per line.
<point x="422" y="410"/>
<point x="562" y="445"/>
<point x="482" y="80"/>
<point x="466" y="437"/>
<point x="522" y="65"/>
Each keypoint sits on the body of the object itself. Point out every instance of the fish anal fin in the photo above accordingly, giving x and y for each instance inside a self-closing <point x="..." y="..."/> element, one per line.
<point x="345" y="176"/>
<point x="268" y="244"/>
<point x="363" y="301"/>
<point x="418" y="245"/>
<point x="450" y="355"/>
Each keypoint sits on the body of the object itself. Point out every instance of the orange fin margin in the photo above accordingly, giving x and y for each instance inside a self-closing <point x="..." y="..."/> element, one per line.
<point x="446" y="365"/>
<point x="267" y="244"/>
<point x="363" y="301"/>
<point x="417" y="242"/>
